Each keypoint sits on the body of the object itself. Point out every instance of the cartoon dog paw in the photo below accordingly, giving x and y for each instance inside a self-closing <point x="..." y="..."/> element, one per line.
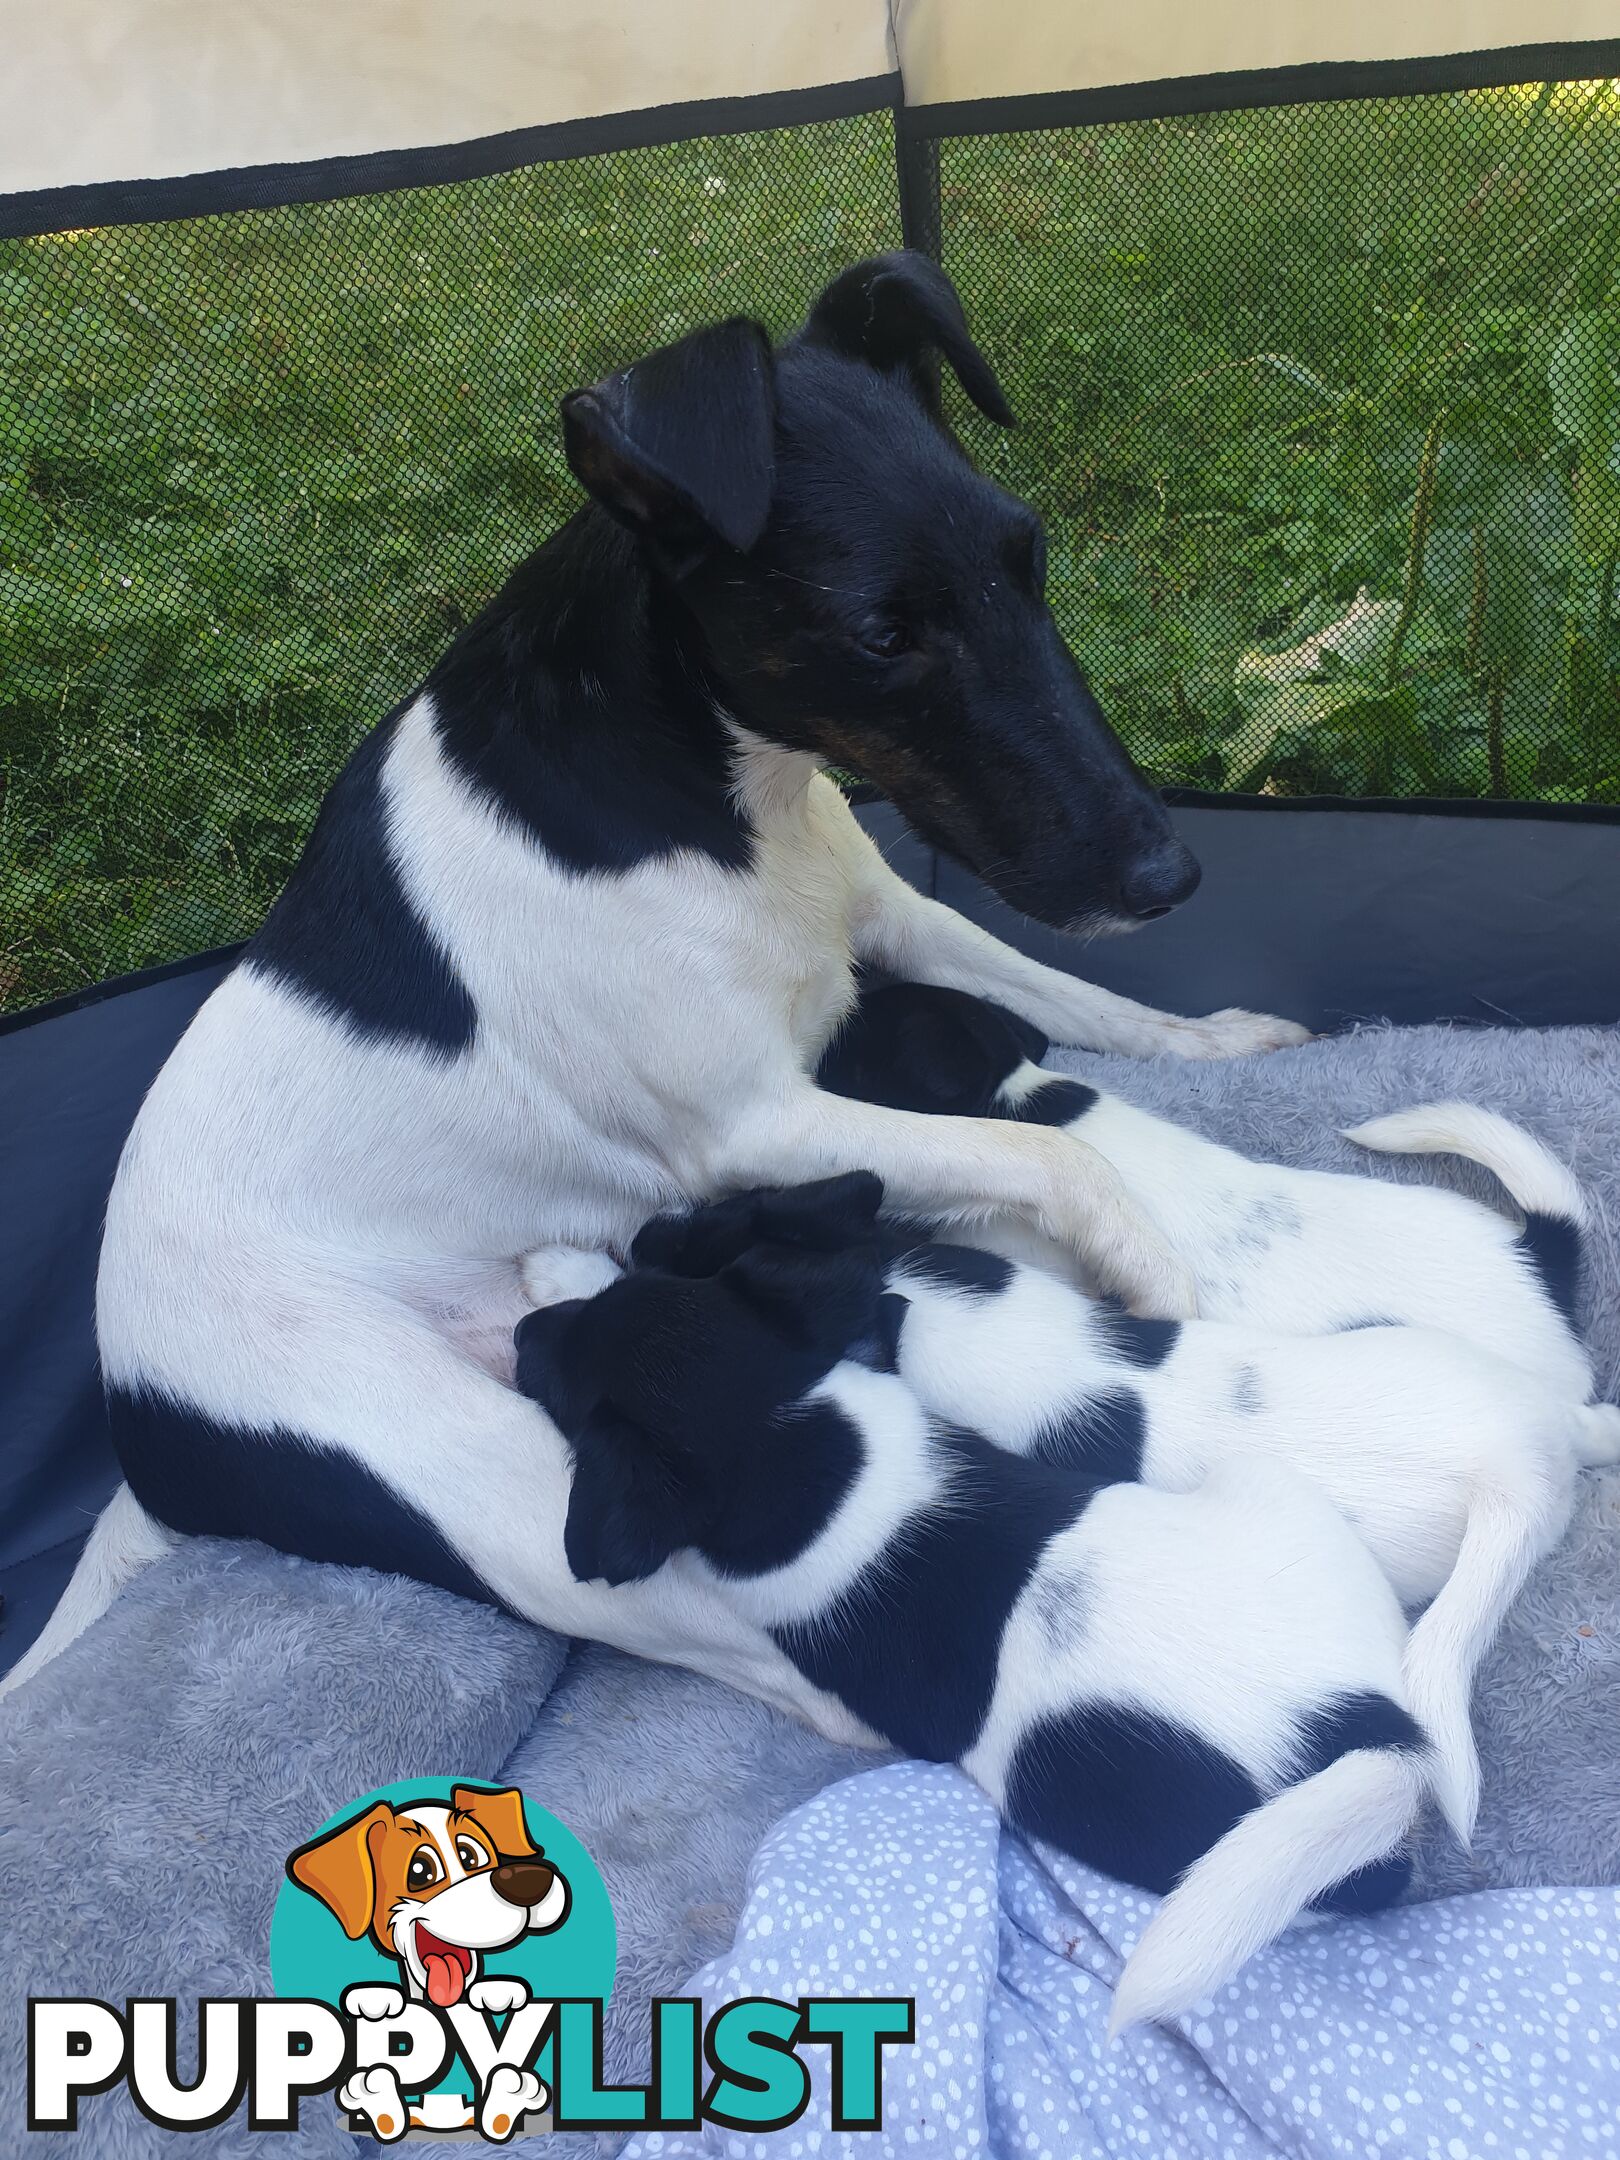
<point x="498" y="1995"/>
<point x="508" y="2097"/>
<point x="373" y="2003"/>
<point x="375" y="2094"/>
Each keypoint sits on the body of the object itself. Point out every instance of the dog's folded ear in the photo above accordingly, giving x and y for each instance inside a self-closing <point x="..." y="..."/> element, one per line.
<point x="898" y="311"/>
<point x="680" y="448"/>
<point x="501" y="1814"/>
<point x="338" y="1868"/>
<point x="699" y="1243"/>
<point x="821" y="1301"/>
<point x="825" y="1215"/>
<point x="632" y="1504"/>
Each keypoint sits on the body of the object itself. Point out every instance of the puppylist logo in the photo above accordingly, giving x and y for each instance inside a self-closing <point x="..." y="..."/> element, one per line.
<point x="441" y="1952"/>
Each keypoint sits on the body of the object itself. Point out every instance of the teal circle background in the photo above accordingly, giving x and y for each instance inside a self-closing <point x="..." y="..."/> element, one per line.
<point x="311" y="1956"/>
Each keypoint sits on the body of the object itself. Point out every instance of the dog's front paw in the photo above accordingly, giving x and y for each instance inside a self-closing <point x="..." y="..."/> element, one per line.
<point x="374" y="2004"/>
<point x="1234" y="1034"/>
<point x="1121" y="1250"/>
<point x="498" y="1995"/>
<point x="508" y="2097"/>
<point x="375" y="2093"/>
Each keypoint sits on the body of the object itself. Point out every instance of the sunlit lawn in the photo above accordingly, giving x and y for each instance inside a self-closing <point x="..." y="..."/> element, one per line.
<point x="255" y="471"/>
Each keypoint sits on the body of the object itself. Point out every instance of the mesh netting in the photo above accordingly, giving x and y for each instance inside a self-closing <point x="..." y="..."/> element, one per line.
<point x="255" y="470"/>
<point x="1321" y="403"/>
<point x="1322" y="406"/>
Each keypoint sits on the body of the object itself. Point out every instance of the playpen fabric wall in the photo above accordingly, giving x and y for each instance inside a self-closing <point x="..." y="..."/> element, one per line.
<point x="1311" y="316"/>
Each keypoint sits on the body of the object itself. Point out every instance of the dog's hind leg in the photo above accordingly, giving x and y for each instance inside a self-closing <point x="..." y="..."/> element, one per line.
<point x="330" y="1418"/>
<point x="125" y="1540"/>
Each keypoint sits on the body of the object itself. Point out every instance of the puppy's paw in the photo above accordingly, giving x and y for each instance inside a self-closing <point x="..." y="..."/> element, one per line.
<point x="1233" y="1034"/>
<point x="498" y="1994"/>
<point x="375" y="2094"/>
<point x="375" y="2004"/>
<point x="508" y="2097"/>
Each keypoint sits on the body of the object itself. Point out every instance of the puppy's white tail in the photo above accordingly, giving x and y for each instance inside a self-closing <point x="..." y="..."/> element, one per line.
<point x="1264" y="1872"/>
<point x="1537" y="1181"/>
<point x="124" y="1540"/>
<point x="1499" y="1547"/>
<point x="1544" y="1190"/>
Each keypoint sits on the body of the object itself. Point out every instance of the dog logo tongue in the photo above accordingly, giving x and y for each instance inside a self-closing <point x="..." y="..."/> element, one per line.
<point x="445" y="1967"/>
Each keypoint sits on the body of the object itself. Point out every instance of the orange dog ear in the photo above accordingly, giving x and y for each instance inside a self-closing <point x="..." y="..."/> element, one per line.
<point x="339" y="1870"/>
<point x="501" y="1814"/>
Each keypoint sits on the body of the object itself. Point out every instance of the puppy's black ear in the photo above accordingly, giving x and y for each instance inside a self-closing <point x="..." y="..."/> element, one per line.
<point x="898" y="311"/>
<point x="821" y="1301"/>
<point x="699" y="1243"/>
<point x="996" y="1019"/>
<point x="824" y="1216"/>
<point x="631" y="1505"/>
<point x="541" y="1340"/>
<point x="681" y="447"/>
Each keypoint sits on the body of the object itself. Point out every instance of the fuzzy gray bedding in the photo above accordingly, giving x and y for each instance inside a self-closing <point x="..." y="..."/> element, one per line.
<point x="233" y="1699"/>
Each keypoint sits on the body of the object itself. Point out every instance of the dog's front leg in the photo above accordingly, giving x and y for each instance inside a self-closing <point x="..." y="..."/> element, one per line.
<point x="966" y="1170"/>
<point x="920" y="940"/>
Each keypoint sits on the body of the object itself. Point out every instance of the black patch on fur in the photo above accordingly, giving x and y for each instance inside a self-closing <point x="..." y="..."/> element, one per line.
<point x="1055" y="1102"/>
<point x="1362" y="1720"/>
<point x="815" y="1455"/>
<point x="344" y="933"/>
<point x="572" y="705"/>
<point x="1103" y="1437"/>
<point x="1125" y="1791"/>
<point x="1356" y="1327"/>
<point x="959" y="1267"/>
<point x="1248" y="1400"/>
<point x="1145" y="1343"/>
<point x="880" y="1350"/>
<point x="913" y="1648"/>
<point x="208" y="1479"/>
<point x="1552" y="1244"/>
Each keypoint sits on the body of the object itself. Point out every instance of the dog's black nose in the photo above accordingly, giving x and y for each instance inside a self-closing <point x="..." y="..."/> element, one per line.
<point x="521" y="1882"/>
<point x="1160" y="881"/>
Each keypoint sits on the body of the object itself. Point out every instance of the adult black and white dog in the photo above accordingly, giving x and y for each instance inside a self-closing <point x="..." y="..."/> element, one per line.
<point x="1200" y="1692"/>
<point x="570" y="933"/>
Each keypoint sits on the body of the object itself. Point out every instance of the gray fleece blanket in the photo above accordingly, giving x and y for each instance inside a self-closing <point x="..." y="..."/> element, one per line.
<point x="163" y="1767"/>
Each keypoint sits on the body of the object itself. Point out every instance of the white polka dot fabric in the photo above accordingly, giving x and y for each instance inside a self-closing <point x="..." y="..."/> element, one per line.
<point x="1476" y="2028"/>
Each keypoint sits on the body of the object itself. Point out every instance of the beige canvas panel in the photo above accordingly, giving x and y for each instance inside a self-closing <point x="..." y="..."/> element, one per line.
<point x="143" y="89"/>
<point x="952" y="49"/>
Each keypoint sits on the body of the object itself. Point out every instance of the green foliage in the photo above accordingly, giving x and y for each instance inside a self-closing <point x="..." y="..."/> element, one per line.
<point x="255" y="471"/>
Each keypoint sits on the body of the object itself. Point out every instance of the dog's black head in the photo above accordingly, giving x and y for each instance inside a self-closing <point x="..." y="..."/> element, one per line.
<point x="666" y="1385"/>
<point x="864" y="594"/>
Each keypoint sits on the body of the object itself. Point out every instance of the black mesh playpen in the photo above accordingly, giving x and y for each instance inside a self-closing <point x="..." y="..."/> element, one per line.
<point x="1313" y="329"/>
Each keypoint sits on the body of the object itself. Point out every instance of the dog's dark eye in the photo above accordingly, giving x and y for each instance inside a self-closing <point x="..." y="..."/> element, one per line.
<point x="1028" y="558"/>
<point x="424" y="1870"/>
<point x="886" y="641"/>
<point x="470" y="1854"/>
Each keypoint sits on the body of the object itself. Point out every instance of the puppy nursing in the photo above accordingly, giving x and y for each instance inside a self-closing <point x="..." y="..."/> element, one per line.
<point x="1299" y="1251"/>
<point x="1027" y="1618"/>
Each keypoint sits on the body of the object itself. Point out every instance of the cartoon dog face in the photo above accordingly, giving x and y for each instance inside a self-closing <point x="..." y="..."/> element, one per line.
<point x="435" y="1886"/>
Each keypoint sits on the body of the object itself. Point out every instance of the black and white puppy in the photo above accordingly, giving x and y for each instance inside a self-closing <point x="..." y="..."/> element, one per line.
<point x="1456" y="1468"/>
<point x="1026" y="1618"/>
<point x="1298" y="1251"/>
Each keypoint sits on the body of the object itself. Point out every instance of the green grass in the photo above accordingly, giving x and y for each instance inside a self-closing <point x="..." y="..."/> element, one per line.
<point x="255" y="471"/>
